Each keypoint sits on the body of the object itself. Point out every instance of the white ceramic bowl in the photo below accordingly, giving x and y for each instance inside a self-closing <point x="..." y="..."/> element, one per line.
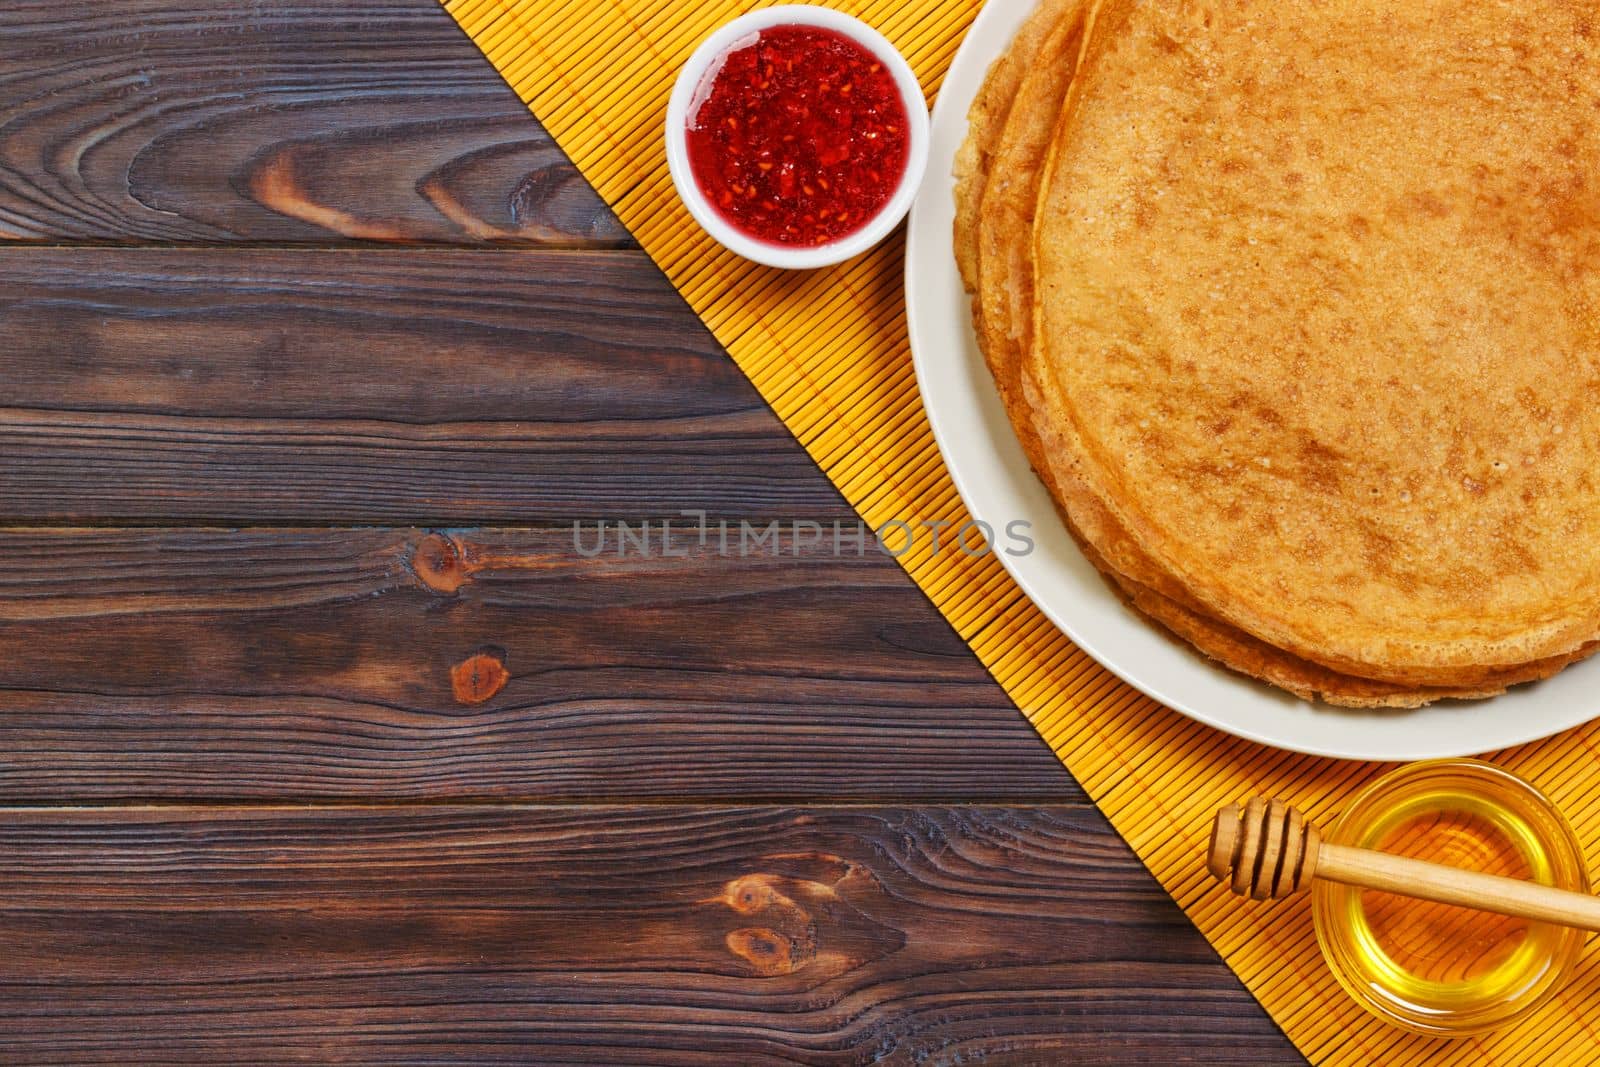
<point x="735" y="239"/>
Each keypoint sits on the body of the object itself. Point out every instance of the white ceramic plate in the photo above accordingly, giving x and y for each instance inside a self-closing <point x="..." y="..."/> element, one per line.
<point x="995" y="482"/>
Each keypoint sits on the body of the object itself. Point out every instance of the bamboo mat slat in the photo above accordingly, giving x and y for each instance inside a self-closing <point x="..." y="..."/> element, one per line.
<point x="828" y="350"/>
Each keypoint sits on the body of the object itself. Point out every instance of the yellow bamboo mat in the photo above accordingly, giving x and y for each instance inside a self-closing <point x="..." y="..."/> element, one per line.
<point x="828" y="350"/>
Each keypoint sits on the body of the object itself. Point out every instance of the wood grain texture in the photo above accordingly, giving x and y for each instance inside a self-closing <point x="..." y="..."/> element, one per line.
<point x="626" y="935"/>
<point x="307" y="121"/>
<point x="399" y="664"/>
<point x="437" y="387"/>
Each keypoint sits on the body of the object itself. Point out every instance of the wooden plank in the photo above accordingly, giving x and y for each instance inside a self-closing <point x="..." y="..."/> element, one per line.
<point x="312" y="121"/>
<point x="389" y="664"/>
<point x="620" y="935"/>
<point x="382" y="386"/>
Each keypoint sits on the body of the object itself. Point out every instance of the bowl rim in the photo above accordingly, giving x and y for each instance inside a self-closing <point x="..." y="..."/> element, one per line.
<point x="730" y="236"/>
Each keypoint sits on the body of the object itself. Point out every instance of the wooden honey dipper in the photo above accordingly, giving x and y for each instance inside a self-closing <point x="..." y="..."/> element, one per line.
<point x="1267" y="850"/>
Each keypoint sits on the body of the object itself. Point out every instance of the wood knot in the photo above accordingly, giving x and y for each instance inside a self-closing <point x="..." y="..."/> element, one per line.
<point x="789" y="923"/>
<point x="437" y="564"/>
<point x="479" y="677"/>
<point x="768" y="951"/>
<point x="749" y="894"/>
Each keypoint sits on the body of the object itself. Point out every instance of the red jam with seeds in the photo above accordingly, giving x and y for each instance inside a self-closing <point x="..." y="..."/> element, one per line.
<point x="800" y="137"/>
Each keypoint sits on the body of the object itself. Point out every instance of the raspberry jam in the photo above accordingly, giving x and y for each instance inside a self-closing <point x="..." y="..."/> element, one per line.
<point x="798" y="136"/>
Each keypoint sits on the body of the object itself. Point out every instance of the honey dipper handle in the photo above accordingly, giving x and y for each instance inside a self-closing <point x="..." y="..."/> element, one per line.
<point x="1449" y="885"/>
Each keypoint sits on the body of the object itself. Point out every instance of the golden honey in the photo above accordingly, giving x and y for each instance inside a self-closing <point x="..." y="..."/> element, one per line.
<point x="1435" y="968"/>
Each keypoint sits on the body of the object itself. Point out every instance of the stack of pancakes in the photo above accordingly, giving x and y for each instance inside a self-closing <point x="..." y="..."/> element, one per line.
<point x="1296" y="311"/>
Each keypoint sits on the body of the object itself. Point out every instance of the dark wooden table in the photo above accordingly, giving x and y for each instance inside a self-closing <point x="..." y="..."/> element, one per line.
<point x="319" y="741"/>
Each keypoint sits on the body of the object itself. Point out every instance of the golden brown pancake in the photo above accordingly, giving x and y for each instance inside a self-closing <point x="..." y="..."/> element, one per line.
<point x="1338" y="384"/>
<point x="996" y="192"/>
<point x="986" y="119"/>
<point x="995" y="198"/>
<point x="1003" y="222"/>
<point x="994" y="232"/>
